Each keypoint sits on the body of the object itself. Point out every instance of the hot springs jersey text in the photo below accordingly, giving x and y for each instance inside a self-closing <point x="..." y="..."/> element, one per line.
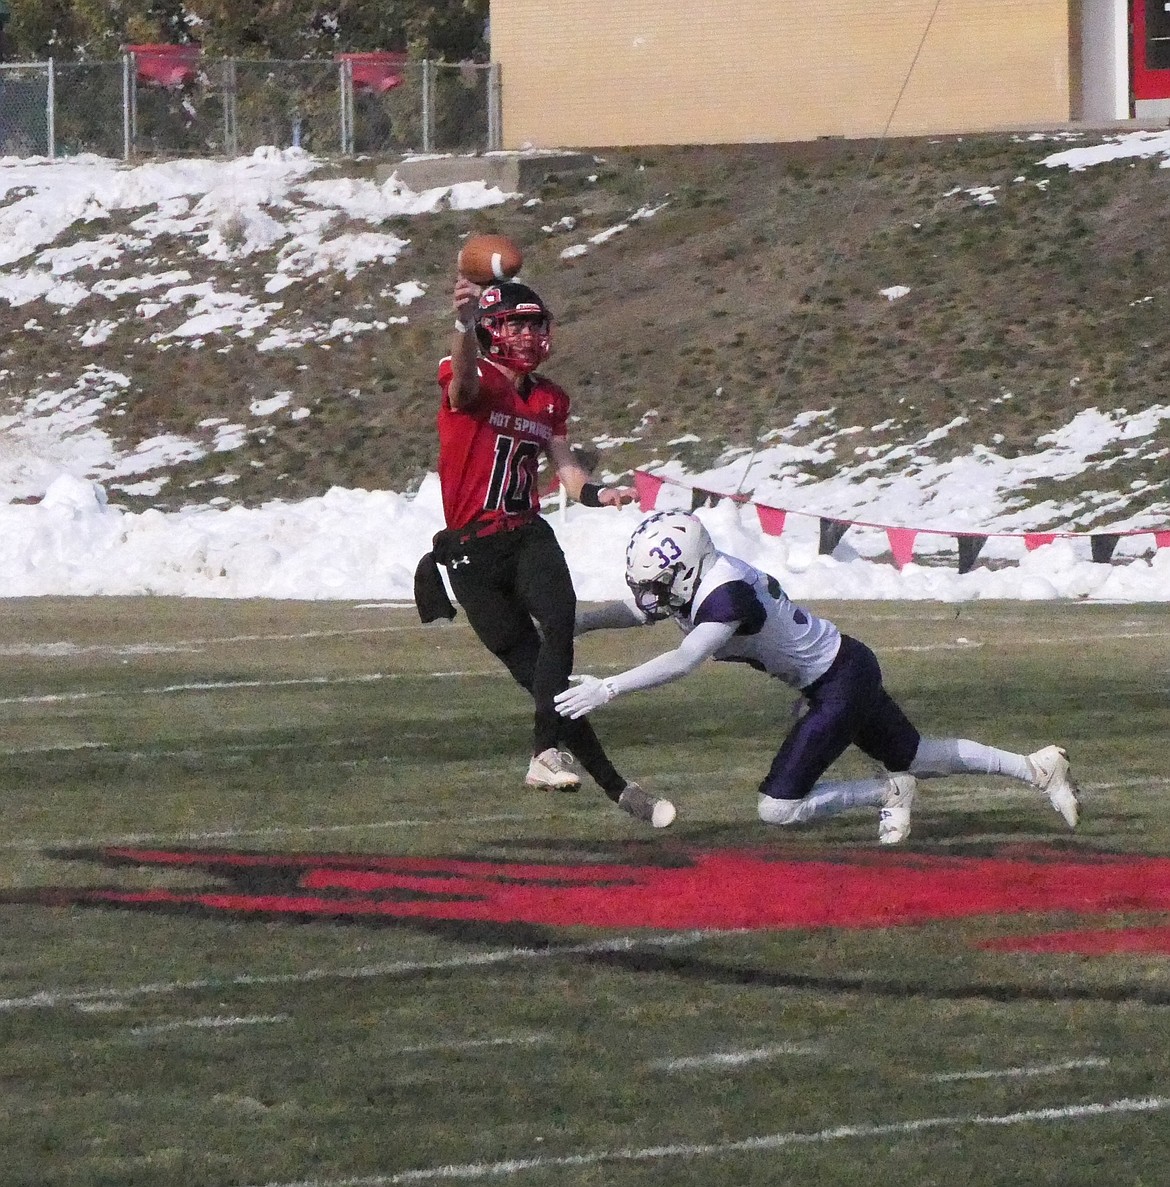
<point x="489" y="451"/>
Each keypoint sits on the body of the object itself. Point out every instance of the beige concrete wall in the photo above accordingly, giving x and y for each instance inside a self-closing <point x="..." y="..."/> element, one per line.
<point x="582" y="73"/>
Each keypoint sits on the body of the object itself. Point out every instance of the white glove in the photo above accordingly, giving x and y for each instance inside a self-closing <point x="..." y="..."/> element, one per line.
<point x="589" y="694"/>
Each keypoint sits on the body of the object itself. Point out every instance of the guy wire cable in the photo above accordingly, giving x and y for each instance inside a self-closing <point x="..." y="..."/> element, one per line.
<point x="835" y="254"/>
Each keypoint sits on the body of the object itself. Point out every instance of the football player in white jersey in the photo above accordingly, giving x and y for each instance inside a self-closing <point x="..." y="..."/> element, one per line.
<point x="729" y="610"/>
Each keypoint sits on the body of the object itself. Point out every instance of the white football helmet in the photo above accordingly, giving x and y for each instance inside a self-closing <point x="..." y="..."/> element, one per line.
<point x="665" y="558"/>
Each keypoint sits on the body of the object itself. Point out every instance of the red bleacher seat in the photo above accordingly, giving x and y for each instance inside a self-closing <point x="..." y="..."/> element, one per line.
<point x="378" y="71"/>
<point x="166" y="65"/>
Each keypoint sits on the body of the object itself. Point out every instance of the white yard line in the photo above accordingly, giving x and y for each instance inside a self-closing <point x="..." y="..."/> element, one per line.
<point x="1041" y="1069"/>
<point x="184" y="752"/>
<point x="228" y="685"/>
<point x="957" y="645"/>
<point x="763" y="1143"/>
<point x="939" y="795"/>
<point x="970" y="644"/>
<point x="49" y="998"/>
<point x="375" y="677"/>
<point x="234" y="834"/>
<point x="724" y="1059"/>
<point x="964" y="644"/>
<point x="529" y="1040"/>
<point x="1064" y="640"/>
<point x="1137" y="781"/>
<point x="62" y="747"/>
<point x="340" y="632"/>
<point x="210" y="1023"/>
<point x="65" y="649"/>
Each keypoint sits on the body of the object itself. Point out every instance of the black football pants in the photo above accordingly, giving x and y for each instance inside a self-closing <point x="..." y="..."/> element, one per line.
<point x="518" y="596"/>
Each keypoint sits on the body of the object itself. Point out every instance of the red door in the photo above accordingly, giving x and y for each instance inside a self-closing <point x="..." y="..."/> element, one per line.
<point x="1151" y="57"/>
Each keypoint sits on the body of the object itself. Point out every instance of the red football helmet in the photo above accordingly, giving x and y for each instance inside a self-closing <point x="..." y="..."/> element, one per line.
<point x="513" y="326"/>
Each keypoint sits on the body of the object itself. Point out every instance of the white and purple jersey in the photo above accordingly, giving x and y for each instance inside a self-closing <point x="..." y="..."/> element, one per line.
<point x="740" y="614"/>
<point x="774" y="635"/>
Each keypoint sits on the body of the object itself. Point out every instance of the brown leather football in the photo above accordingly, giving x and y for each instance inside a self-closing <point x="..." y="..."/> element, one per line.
<point x="487" y="258"/>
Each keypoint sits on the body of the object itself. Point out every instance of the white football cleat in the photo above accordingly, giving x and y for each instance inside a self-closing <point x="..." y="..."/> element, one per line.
<point x="550" y="769"/>
<point x="1050" y="773"/>
<point x="894" y="817"/>
<point x="641" y="805"/>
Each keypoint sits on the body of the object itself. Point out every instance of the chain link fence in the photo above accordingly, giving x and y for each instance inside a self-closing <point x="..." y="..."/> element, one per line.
<point x="26" y="110"/>
<point x="88" y="108"/>
<point x="182" y="121"/>
<point x="285" y="104"/>
<point x="434" y="107"/>
<point x="231" y="106"/>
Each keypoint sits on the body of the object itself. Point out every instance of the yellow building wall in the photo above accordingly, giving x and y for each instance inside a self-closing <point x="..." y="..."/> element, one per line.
<point x="590" y="73"/>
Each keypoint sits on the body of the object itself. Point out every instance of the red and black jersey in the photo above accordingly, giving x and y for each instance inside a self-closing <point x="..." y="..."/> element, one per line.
<point x="489" y="451"/>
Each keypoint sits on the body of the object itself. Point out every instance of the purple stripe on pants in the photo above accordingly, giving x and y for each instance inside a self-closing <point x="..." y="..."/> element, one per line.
<point x="846" y="706"/>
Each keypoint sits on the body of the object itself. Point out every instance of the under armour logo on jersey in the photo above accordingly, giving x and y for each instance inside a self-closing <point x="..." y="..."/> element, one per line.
<point x="455" y="562"/>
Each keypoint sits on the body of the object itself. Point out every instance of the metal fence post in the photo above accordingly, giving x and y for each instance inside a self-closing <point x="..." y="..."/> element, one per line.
<point x="351" y="109"/>
<point x="133" y="103"/>
<point x="428" y="106"/>
<point x="345" y="85"/>
<point x="341" y="80"/>
<point x="125" y="107"/>
<point x="495" y="134"/>
<point x="51" y="112"/>
<point x="231" y="133"/>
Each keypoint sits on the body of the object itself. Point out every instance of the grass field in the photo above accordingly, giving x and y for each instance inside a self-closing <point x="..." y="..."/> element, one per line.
<point x="278" y="909"/>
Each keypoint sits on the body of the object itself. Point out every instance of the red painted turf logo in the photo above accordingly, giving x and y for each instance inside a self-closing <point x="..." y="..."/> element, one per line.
<point x="719" y="889"/>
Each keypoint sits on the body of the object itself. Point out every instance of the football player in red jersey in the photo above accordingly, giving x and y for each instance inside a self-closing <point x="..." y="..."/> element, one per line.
<point x="497" y="415"/>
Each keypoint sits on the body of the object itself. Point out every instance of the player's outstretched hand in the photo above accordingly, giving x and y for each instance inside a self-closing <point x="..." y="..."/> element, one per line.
<point x="464" y="300"/>
<point x="588" y="694"/>
<point x="617" y="496"/>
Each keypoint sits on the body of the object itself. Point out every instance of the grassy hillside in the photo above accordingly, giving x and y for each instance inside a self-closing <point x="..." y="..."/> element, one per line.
<point x="751" y="295"/>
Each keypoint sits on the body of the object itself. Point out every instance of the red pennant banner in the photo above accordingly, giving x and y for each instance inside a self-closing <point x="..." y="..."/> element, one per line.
<point x="901" y="544"/>
<point x="647" y="487"/>
<point x="771" y="519"/>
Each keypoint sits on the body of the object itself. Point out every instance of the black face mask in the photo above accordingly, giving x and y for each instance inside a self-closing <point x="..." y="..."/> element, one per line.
<point x="653" y="598"/>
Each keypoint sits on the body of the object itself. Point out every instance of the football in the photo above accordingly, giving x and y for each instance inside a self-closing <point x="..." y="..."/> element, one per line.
<point x="487" y="258"/>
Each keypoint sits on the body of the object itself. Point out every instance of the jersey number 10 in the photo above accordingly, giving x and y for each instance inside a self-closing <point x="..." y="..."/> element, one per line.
<point x="513" y="476"/>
